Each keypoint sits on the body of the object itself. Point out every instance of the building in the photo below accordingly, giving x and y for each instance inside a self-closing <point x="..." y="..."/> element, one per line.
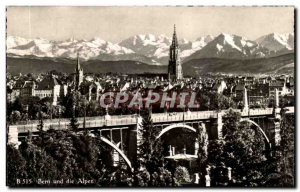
<point x="239" y="90"/>
<point x="249" y="81"/>
<point x="28" y="89"/>
<point x="291" y="85"/>
<point x="12" y="94"/>
<point x="280" y="86"/>
<point x="23" y="88"/>
<point x="48" y="87"/>
<point x="91" y="90"/>
<point x="78" y="74"/>
<point x="219" y="86"/>
<point x="174" y="68"/>
<point x="259" y="94"/>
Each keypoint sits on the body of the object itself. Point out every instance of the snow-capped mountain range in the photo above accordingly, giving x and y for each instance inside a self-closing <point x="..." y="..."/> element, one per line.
<point x="69" y="48"/>
<point x="153" y="49"/>
<point x="157" y="47"/>
<point x="277" y="42"/>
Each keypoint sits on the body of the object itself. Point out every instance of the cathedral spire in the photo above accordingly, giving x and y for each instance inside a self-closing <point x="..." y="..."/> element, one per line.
<point x="174" y="40"/>
<point x="78" y="73"/>
<point x="78" y="62"/>
<point x="174" y="68"/>
<point x="174" y="29"/>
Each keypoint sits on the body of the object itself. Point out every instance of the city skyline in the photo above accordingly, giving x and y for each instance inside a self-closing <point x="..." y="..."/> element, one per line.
<point x="119" y="23"/>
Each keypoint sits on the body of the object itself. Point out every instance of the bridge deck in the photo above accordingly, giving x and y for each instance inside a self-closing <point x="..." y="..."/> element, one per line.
<point x="125" y="120"/>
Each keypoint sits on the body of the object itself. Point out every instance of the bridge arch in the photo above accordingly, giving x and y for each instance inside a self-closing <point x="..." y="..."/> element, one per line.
<point x="259" y="128"/>
<point x="118" y="150"/>
<point x="174" y="126"/>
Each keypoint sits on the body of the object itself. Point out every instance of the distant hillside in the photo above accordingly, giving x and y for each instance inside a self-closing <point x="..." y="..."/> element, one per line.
<point x="37" y="65"/>
<point x="280" y="64"/>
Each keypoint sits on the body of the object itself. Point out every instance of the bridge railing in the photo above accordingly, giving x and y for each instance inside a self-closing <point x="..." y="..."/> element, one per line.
<point x="254" y="112"/>
<point x="33" y="127"/>
<point x="101" y="121"/>
<point x="57" y="120"/>
<point x="180" y="116"/>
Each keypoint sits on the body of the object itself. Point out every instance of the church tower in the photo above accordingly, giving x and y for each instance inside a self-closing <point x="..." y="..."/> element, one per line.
<point x="78" y="74"/>
<point x="174" y="68"/>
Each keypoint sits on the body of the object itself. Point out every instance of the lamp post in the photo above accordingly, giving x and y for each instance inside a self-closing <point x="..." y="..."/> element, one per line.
<point x="139" y="110"/>
<point x="249" y="106"/>
<point x="74" y="104"/>
<point x="50" y="115"/>
<point x="208" y="104"/>
<point x="183" y="113"/>
<point x="84" y="114"/>
<point x="59" y="112"/>
<point x="135" y="110"/>
<point x="26" y="109"/>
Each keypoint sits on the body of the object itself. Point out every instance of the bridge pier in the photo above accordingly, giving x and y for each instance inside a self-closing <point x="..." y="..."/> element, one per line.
<point x="138" y="128"/>
<point x="277" y="136"/>
<point x="137" y="134"/>
<point x="217" y="127"/>
<point x="132" y="145"/>
<point x="245" y="101"/>
<point x="274" y="127"/>
<point x="277" y="120"/>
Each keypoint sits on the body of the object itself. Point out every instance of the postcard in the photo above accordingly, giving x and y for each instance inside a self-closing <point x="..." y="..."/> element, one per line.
<point x="158" y="97"/>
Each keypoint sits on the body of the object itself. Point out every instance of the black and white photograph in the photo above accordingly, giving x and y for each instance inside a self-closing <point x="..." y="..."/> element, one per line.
<point x="150" y="96"/>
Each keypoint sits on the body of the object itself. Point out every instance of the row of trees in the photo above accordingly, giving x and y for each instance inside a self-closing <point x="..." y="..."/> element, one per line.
<point x="28" y="108"/>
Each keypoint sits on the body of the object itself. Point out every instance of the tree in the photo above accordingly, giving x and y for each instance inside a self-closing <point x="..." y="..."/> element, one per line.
<point x="231" y="123"/>
<point x="202" y="140"/>
<point x="150" y="170"/>
<point x="285" y="101"/>
<point x="73" y="121"/>
<point x="15" y="116"/>
<point x="92" y="109"/>
<point x="122" y="178"/>
<point x="40" y="126"/>
<point x="204" y="101"/>
<point x="287" y="148"/>
<point x="241" y="150"/>
<point x="150" y="149"/>
<point x="34" y="106"/>
<point x="74" y="125"/>
<point x="17" y="105"/>
<point x="15" y="165"/>
<point x="203" y="143"/>
<point x="215" y="156"/>
<point x="62" y="155"/>
<point x="39" y="164"/>
<point x="182" y="175"/>
<point x="216" y="101"/>
<point x="281" y="166"/>
<point x="162" y="178"/>
<point x="142" y="178"/>
<point x="69" y="101"/>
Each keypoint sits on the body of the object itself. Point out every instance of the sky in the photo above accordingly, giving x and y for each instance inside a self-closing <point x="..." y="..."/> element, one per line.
<point x="118" y="23"/>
